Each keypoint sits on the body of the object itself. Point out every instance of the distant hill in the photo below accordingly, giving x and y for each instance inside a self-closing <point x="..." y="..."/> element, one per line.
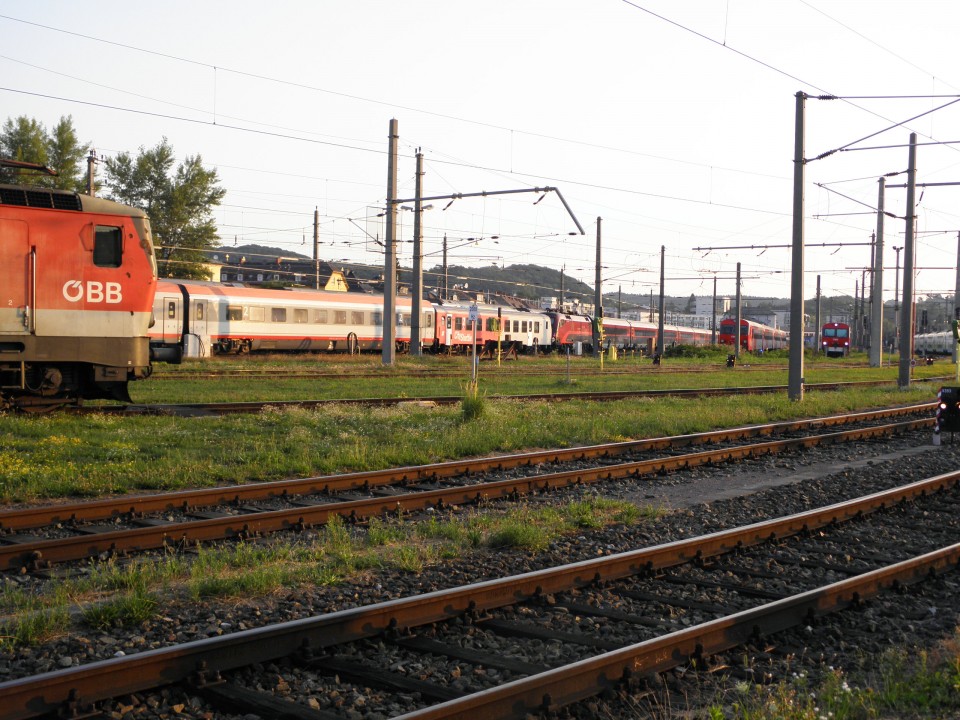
<point x="257" y="251"/>
<point x="525" y="281"/>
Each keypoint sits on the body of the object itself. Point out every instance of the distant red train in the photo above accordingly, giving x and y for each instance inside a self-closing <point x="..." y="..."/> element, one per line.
<point x="835" y="339"/>
<point x="754" y="336"/>
<point x="77" y="279"/>
<point x="621" y="333"/>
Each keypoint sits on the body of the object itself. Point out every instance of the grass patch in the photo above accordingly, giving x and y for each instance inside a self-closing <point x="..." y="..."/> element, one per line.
<point x="905" y="683"/>
<point x="126" y="610"/>
<point x="58" y="456"/>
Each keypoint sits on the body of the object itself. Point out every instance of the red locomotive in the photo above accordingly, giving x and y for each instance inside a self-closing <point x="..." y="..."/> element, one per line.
<point x="754" y="336"/>
<point x="835" y="339"/>
<point x="77" y="279"/>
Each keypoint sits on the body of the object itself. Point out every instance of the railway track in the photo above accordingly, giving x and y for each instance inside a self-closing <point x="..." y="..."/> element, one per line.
<point x="34" y="539"/>
<point x="286" y="374"/>
<point x="522" y="645"/>
<point x="214" y="408"/>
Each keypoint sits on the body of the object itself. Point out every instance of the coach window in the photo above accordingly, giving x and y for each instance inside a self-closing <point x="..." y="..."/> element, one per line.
<point x="107" y="246"/>
<point x="234" y="312"/>
<point x="536" y="326"/>
<point x="299" y="315"/>
<point x="256" y="313"/>
<point x="356" y="317"/>
<point x="516" y="326"/>
<point x="340" y="317"/>
<point x="199" y="311"/>
<point x="524" y="327"/>
<point x="320" y="316"/>
<point x="459" y="323"/>
<point x="172" y="309"/>
<point x="376" y="318"/>
<point x="278" y="314"/>
<point x="428" y="320"/>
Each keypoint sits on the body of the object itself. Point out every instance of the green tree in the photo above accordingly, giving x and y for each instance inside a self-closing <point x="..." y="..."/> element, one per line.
<point x="178" y="201"/>
<point x="67" y="156"/>
<point x="26" y="139"/>
<point x="23" y="139"/>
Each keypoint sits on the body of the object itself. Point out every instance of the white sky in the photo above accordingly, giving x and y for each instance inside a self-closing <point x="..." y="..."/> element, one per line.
<point x="673" y="121"/>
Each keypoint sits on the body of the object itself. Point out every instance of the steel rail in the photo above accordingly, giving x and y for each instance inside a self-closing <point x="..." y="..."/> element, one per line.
<point x="203" y="660"/>
<point x="34" y="517"/>
<point x="279" y="373"/>
<point x="596" y="396"/>
<point x="35" y="555"/>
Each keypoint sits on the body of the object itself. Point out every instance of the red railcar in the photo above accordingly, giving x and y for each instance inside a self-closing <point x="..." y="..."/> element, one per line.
<point x="754" y="336"/>
<point x="835" y="339"/>
<point x="77" y="279"/>
<point x="621" y="333"/>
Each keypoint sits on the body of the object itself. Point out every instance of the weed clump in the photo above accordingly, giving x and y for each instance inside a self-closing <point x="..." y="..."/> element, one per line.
<point x="474" y="405"/>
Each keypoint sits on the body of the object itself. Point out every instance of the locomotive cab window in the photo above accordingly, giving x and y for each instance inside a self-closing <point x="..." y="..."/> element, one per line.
<point x="107" y="246"/>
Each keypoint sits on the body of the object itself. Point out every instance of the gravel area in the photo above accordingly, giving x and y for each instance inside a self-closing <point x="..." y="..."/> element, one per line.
<point x="701" y="500"/>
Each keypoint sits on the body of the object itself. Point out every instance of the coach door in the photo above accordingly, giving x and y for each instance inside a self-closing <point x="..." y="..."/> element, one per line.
<point x="198" y="341"/>
<point x="448" y="331"/>
<point x="17" y="263"/>
<point x="171" y="318"/>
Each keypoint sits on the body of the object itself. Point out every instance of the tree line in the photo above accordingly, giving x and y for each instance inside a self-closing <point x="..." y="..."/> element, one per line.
<point x="179" y="198"/>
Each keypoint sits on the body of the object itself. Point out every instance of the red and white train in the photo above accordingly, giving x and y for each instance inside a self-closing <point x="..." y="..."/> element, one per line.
<point x="77" y="280"/>
<point x="198" y="319"/>
<point x="754" y="336"/>
<point x="835" y="339"/>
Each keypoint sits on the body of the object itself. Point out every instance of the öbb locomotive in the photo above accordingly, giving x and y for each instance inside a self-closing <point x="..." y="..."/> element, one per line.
<point x="198" y="319"/>
<point x="77" y="280"/>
